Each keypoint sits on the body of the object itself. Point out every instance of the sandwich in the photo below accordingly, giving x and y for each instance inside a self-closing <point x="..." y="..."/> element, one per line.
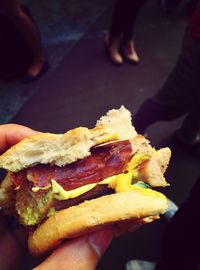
<point x="62" y="186"/>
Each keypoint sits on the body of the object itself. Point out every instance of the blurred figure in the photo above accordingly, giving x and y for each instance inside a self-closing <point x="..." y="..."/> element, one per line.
<point x="119" y="41"/>
<point x="179" y="244"/>
<point x="12" y="10"/>
<point x="180" y="93"/>
<point x="179" y="96"/>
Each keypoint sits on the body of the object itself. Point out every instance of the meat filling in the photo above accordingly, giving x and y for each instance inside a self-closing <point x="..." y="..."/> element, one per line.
<point x="104" y="161"/>
<point x="34" y="207"/>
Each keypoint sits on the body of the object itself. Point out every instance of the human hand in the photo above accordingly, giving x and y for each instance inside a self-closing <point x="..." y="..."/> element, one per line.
<point x="11" y="247"/>
<point x="80" y="253"/>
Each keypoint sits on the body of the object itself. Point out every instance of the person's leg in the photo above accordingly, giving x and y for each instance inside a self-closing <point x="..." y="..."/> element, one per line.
<point x="113" y="38"/>
<point x="12" y="9"/>
<point x="180" y="92"/>
<point x="155" y="109"/>
<point x="121" y="30"/>
<point x="179" y="247"/>
<point x="133" y="9"/>
<point x="119" y="12"/>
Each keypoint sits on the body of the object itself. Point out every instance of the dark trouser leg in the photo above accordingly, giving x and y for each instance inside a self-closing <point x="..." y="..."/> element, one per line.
<point x="179" y="95"/>
<point x="117" y="18"/>
<point x="156" y="109"/>
<point x="131" y="16"/>
<point x="124" y="15"/>
<point x="180" y="243"/>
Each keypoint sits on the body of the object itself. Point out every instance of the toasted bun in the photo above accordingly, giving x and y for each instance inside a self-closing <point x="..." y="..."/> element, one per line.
<point x="127" y="210"/>
<point x="132" y="208"/>
<point x="62" y="149"/>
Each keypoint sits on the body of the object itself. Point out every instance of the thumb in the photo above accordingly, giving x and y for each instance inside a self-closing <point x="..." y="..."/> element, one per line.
<point x="11" y="134"/>
<point x="82" y="253"/>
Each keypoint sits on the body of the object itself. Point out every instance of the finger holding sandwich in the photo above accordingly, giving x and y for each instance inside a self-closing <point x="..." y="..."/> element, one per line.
<point x="81" y="253"/>
<point x="11" y="134"/>
<point x="11" y="242"/>
<point x="68" y="185"/>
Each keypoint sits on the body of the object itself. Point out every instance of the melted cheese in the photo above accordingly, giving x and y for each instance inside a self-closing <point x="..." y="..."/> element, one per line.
<point x="119" y="183"/>
<point x="61" y="194"/>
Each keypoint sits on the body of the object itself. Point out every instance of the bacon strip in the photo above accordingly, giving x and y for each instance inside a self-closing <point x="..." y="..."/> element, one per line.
<point x="104" y="161"/>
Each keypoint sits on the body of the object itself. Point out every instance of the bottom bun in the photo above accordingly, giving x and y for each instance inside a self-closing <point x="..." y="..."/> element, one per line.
<point x="133" y="207"/>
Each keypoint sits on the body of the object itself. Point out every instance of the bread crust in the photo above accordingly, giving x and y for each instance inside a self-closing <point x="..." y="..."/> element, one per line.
<point x="88" y="216"/>
<point x="62" y="149"/>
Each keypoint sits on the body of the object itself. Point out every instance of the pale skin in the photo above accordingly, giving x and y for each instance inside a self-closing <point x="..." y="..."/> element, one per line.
<point x="77" y="254"/>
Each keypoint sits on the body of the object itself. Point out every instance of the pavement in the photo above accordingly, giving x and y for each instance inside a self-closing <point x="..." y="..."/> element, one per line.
<point x="82" y="85"/>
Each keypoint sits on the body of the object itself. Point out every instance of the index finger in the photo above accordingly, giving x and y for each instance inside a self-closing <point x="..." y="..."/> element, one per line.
<point x="80" y="253"/>
<point x="11" y="134"/>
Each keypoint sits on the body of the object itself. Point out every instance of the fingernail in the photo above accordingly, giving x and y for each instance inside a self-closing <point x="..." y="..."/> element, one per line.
<point x="100" y="240"/>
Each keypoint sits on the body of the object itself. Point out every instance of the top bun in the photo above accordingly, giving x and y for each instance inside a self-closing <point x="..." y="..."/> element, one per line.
<point x="62" y="149"/>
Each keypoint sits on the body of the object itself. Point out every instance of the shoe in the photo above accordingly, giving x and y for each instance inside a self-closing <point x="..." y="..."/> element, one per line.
<point x="172" y="208"/>
<point x="186" y="141"/>
<point x="30" y="78"/>
<point x="112" y="48"/>
<point x="192" y="146"/>
<point x="130" y="53"/>
<point x="140" y="265"/>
